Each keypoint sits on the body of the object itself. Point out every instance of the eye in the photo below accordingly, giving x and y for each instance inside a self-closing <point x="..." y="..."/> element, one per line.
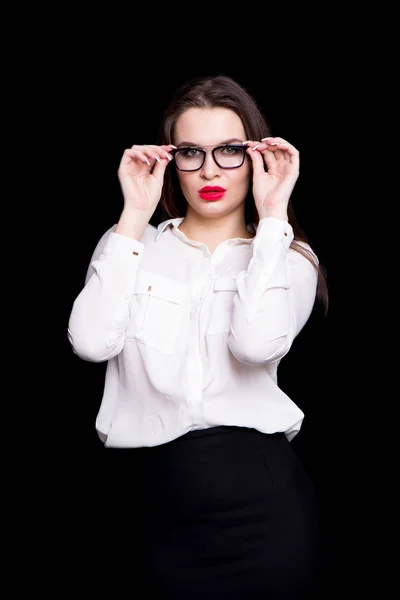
<point x="231" y="150"/>
<point x="190" y="152"/>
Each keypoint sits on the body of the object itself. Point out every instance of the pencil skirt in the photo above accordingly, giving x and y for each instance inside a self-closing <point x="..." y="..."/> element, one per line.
<point x="231" y="512"/>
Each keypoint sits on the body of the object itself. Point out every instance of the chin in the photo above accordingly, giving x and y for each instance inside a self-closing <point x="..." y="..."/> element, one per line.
<point x="215" y="207"/>
<point x="212" y="211"/>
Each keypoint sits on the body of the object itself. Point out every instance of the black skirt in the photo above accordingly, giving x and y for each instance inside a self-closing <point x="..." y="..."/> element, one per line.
<point x="228" y="513"/>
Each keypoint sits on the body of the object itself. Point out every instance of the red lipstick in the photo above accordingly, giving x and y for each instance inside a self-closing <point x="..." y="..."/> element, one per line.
<point x="213" y="192"/>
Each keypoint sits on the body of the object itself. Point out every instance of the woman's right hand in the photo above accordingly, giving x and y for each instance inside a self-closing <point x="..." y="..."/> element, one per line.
<point x="141" y="175"/>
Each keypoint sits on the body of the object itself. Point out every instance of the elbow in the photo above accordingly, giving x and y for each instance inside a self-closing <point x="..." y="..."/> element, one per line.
<point x="90" y="349"/>
<point x="257" y="353"/>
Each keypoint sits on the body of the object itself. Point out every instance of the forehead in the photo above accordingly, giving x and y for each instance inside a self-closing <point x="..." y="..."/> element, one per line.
<point x="208" y="126"/>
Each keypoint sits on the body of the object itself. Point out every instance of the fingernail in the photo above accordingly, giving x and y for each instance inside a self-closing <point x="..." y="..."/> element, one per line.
<point x="254" y="147"/>
<point x="172" y="146"/>
<point x="265" y="139"/>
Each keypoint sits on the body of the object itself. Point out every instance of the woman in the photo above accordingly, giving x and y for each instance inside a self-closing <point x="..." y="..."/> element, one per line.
<point x="193" y="318"/>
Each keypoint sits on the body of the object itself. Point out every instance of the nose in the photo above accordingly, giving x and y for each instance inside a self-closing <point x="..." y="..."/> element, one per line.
<point x="210" y="169"/>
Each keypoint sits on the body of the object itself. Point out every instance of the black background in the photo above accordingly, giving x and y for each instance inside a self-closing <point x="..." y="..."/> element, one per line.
<point x="108" y="105"/>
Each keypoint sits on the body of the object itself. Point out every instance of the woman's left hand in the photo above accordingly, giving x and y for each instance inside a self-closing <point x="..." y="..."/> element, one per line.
<point x="273" y="187"/>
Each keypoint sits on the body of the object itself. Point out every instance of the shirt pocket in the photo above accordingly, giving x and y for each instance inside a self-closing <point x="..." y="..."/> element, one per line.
<point x="159" y="312"/>
<point x="225" y="288"/>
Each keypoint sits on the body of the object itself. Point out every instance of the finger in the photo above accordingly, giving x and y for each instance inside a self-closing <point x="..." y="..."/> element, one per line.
<point x="163" y="151"/>
<point x="131" y="155"/>
<point x="167" y="149"/>
<point x="272" y="145"/>
<point x="276" y="153"/>
<point x="274" y="139"/>
<point x="146" y="154"/>
<point x="284" y="151"/>
<point x="278" y="141"/>
<point x="159" y="170"/>
<point x="165" y="158"/>
<point x="290" y="154"/>
<point x="279" y="155"/>
<point x="154" y="154"/>
<point x="250" y="143"/>
<point x="268" y="155"/>
<point x="257" y="162"/>
<point x="166" y="154"/>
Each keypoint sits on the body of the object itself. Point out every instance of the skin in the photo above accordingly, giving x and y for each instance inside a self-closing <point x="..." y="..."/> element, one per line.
<point x="213" y="222"/>
<point x="271" y="167"/>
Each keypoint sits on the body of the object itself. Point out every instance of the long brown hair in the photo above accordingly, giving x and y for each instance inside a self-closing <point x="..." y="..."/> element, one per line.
<point x="223" y="91"/>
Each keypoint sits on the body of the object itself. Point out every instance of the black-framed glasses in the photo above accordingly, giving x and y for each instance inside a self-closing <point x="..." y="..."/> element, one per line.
<point x="226" y="156"/>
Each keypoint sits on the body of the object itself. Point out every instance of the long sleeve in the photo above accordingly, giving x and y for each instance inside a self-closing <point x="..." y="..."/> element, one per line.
<point x="100" y="313"/>
<point x="276" y="295"/>
<point x="169" y="317"/>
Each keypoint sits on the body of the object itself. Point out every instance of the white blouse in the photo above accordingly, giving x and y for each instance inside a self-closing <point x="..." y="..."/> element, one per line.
<point x="192" y="339"/>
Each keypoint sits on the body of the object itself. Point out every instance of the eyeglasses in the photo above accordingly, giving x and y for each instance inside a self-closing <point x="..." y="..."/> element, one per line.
<point x="227" y="156"/>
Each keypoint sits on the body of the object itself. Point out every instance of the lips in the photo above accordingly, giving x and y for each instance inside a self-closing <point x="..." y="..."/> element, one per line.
<point x="211" y="192"/>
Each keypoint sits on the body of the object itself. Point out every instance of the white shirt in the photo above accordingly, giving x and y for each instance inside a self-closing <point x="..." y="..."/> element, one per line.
<point x="192" y="339"/>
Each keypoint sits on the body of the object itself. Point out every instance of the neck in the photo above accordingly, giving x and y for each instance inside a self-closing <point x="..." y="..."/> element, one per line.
<point x="212" y="231"/>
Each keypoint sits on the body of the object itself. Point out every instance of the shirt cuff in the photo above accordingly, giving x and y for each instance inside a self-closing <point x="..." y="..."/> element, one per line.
<point x="122" y="245"/>
<point x="271" y="232"/>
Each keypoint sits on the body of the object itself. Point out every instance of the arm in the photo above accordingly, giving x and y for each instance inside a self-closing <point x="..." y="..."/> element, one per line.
<point x="275" y="296"/>
<point x="101" y="312"/>
<point x="277" y="292"/>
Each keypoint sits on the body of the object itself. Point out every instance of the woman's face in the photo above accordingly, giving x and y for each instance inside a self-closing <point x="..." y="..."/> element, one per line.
<point x="206" y="128"/>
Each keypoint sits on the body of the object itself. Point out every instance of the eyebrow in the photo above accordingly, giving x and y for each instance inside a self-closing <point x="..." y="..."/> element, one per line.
<point x="230" y="141"/>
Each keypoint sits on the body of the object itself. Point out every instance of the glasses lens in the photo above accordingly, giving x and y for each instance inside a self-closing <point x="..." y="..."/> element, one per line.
<point x="229" y="157"/>
<point x="189" y="159"/>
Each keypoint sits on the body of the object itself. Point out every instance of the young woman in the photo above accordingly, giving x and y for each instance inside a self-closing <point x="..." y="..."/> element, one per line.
<point x="193" y="318"/>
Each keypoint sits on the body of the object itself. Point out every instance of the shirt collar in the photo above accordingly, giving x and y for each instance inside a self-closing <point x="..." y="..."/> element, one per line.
<point x="178" y="220"/>
<point x="162" y="226"/>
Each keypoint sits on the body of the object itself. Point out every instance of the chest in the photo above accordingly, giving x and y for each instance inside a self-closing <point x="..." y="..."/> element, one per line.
<point x="170" y="296"/>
